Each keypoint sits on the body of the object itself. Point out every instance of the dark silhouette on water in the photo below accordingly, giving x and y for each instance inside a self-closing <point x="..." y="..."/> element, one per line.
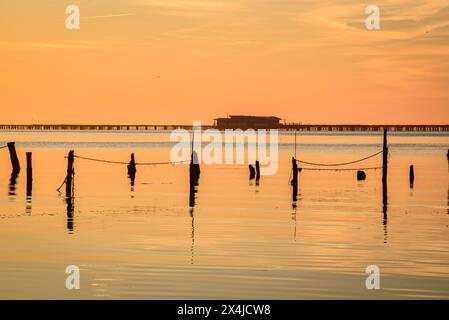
<point x="12" y="183"/>
<point x="257" y="170"/>
<point x="194" y="176"/>
<point x="70" y="190"/>
<point x="252" y="172"/>
<point x="192" y="246"/>
<point x="385" y="173"/>
<point x="361" y="175"/>
<point x="194" y="168"/>
<point x="15" y="169"/>
<point x="412" y="176"/>
<point x="29" y="175"/>
<point x="28" y="205"/>
<point x="192" y="191"/>
<point x="294" y="181"/>
<point x="69" y="181"/>
<point x="385" y="224"/>
<point x="132" y="170"/>
<point x="70" y="214"/>
<point x="13" y="155"/>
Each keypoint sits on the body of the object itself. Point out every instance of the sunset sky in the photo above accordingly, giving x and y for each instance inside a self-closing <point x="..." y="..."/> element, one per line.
<point x="175" y="61"/>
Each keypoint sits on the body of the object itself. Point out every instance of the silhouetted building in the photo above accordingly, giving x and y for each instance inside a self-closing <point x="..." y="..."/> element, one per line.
<point x="247" y="122"/>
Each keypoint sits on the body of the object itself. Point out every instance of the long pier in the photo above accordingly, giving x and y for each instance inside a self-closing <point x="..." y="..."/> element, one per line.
<point x="286" y="127"/>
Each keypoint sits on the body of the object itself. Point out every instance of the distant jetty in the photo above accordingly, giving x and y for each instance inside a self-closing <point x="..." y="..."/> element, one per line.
<point x="236" y="122"/>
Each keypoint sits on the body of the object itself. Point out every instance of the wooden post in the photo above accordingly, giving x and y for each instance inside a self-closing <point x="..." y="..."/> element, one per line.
<point x="29" y="175"/>
<point x="132" y="169"/>
<point x="13" y="156"/>
<point x="252" y="172"/>
<point x="412" y="176"/>
<point x="295" y="180"/>
<point x="385" y="172"/>
<point x="69" y="177"/>
<point x="257" y="170"/>
<point x="194" y="168"/>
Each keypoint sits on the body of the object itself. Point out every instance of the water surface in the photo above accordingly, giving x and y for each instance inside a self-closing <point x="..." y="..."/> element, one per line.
<point x="241" y="240"/>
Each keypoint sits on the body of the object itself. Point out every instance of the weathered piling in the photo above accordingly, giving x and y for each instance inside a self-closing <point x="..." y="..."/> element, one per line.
<point x="252" y="172"/>
<point x="257" y="170"/>
<point x="29" y="174"/>
<point x="361" y="175"/>
<point x="385" y="172"/>
<point x="13" y="155"/>
<point x="132" y="169"/>
<point x="412" y="176"/>
<point x="294" y="180"/>
<point x="194" y="168"/>
<point x="69" y="177"/>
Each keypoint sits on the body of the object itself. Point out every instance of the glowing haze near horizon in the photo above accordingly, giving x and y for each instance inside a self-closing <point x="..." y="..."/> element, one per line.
<point x="162" y="61"/>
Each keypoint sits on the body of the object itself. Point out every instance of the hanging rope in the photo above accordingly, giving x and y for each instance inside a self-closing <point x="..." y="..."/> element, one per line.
<point x="340" y="164"/>
<point x="63" y="183"/>
<point x="137" y="163"/>
<point x="338" y="169"/>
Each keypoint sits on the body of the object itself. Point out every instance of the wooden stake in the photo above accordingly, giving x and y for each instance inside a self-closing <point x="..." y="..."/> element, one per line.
<point x="295" y="179"/>
<point x="412" y="176"/>
<point x="385" y="172"/>
<point x="69" y="177"/>
<point x="252" y="172"/>
<point x="29" y="175"/>
<point x="13" y="155"/>
<point x="257" y="170"/>
<point x="132" y="169"/>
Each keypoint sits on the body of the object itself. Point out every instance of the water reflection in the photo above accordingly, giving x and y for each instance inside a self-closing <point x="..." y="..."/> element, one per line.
<point x="70" y="211"/>
<point x="192" y="247"/>
<point x="28" y="205"/>
<point x="192" y="191"/>
<point x="12" y="183"/>
<point x="294" y="219"/>
<point x="385" y="221"/>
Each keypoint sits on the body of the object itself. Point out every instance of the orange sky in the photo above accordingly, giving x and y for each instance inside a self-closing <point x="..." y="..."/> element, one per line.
<point x="175" y="61"/>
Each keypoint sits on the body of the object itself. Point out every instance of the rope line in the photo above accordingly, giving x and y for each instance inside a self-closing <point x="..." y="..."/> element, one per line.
<point x="340" y="164"/>
<point x="338" y="169"/>
<point x="126" y="163"/>
<point x="3" y="147"/>
<point x="63" y="183"/>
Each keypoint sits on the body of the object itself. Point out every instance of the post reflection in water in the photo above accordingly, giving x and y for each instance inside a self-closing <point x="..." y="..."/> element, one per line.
<point x="192" y="247"/>
<point x="192" y="191"/>
<point x="12" y="183"/>
<point x="294" y="218"/>
<point x="385" y="223"/>
<point x="132" y="179"/>
<point x="28" y="205"/>
<point x="70" y="211"/>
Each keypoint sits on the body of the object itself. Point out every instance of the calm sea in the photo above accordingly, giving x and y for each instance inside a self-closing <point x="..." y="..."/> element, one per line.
<point x="242" y="240"/>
